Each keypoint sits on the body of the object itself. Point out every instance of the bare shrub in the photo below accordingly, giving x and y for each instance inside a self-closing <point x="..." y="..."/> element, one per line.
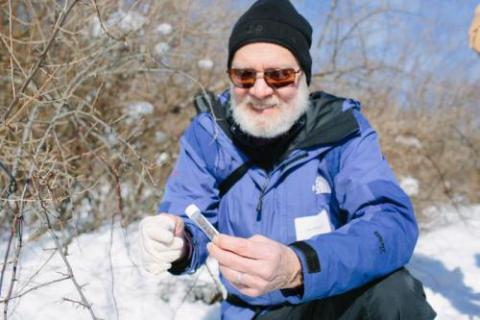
<point x="436" y="142"/>
<point x="104" y="101"/>
<point x="94" y="97"/>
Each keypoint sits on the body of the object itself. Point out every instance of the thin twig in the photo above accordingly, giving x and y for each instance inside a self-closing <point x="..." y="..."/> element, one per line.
<point x="118" y="193"/>
<point x="112" y="271"/>
<point x="12" y="186"/>
<point x="194" y="283"/>
<point x="17" y="229"/>
<point x="12" y="56"/>
<point x="76" y="302"/>
<point x="326" y="25"/>
<point x="217" y="283"/>
<point x="102" y="25"/>
<point x="37" y="272"/>
<point x="444" y="183"/>
<point x="43" y="54"/>
<point x="46" y="284"/>
<point x="10" y="30"/>
<point x="70" y="273"/>
<point x="5" y="260"/>
<point x="469" y="144"/>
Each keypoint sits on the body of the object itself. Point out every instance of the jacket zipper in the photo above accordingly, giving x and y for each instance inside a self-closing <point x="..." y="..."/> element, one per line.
<point x="265" y="185"/>
<point x="260" y="200"/>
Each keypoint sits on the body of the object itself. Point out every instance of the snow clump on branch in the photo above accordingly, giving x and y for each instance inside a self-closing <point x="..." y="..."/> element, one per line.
<point x="164" y="28"/>
<point x="205" y="64"/>
<point x="410" y="186"/>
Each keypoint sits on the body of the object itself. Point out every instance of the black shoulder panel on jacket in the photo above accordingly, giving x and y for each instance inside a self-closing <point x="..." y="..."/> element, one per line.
<point x="206" y="101"/>
<point x="326" y="121"/>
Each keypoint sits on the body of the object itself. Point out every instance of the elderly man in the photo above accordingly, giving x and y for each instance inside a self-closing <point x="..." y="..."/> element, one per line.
<point x="312" y="222"/>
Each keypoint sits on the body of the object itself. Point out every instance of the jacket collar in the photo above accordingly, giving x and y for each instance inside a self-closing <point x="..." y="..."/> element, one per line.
<point x="325" y="124"/>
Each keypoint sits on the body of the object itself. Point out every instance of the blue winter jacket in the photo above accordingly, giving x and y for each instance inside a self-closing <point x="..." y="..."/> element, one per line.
<point x="332" y="197"/>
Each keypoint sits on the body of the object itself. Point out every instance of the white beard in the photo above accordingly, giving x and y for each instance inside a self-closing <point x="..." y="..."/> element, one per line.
<point x="270" y="126"/>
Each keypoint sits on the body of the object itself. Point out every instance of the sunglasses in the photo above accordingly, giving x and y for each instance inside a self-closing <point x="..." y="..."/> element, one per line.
<point x="275" y="78"/>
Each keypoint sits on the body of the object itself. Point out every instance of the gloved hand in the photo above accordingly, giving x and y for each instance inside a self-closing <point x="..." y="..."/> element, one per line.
<point x="162" y="241"/>
<point x="256" y="265"/>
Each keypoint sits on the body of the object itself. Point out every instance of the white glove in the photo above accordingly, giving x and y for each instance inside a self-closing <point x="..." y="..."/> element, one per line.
<point x="162" y="241"/>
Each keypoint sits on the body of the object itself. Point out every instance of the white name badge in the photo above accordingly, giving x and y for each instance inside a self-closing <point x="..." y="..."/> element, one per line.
<point x="307" y="227"/>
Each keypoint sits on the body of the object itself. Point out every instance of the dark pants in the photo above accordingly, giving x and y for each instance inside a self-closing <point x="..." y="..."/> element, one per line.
<point x="396" y="296"/>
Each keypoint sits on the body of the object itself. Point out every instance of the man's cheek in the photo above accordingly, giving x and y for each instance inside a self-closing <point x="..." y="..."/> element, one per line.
<point x="238" y="95"/>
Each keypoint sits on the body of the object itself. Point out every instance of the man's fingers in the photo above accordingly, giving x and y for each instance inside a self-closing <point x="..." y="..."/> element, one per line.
<point x="231" y="259"/>
<point x="239" y="246"/>
<point x="235" y="277"/>
<point x="243" y="280"/>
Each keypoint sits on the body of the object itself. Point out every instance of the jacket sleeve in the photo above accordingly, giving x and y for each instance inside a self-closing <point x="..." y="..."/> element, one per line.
<point x="380" y="233"/>
<point x="192" y="182"/>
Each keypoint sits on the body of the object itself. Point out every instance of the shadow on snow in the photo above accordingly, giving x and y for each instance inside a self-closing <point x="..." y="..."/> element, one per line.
<point x="448" y="283"/>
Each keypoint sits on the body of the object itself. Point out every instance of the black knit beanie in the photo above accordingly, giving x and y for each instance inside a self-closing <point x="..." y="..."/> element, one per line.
<point x="274" y="21"/>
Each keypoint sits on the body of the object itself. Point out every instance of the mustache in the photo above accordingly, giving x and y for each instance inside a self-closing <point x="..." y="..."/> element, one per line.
<point x="260" y="104"/>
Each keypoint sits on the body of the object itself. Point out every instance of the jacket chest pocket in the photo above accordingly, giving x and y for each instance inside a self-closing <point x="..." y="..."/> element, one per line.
<point x="319" y="221"/>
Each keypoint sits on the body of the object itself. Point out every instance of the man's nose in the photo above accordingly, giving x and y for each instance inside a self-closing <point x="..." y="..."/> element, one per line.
<point x="261" y="89"/>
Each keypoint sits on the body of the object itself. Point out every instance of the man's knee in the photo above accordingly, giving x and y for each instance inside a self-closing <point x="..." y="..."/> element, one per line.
<point x="398" y="296"/>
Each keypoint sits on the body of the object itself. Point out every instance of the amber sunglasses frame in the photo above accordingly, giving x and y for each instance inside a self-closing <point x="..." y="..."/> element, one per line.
<point x="268" y="77"/>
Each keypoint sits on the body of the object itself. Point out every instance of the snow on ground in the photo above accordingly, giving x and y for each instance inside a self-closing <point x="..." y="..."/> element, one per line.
<point x="137" y="294"/>
<point x="447" y="260"/>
